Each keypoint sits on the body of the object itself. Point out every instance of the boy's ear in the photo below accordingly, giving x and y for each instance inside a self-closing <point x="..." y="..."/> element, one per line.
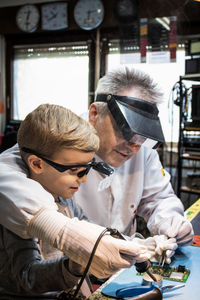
<point x="35" y="164"/>
<point x="93" y="114"/>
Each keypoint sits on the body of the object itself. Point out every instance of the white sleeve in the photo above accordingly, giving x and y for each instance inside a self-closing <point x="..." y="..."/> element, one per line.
<point x="20" y="197"/>
<point x="29" y="211"/>
<point x="159" y="201"/>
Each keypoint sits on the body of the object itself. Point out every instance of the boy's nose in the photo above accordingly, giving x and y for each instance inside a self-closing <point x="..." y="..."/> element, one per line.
<point x="82" y="179"/>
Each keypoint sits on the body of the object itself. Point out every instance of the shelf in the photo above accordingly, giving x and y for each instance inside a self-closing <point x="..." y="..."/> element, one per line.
<point x="191" y="77"/>
<point x="188" y="128"/>
<point x="189" y="156"/>
<point x="189" y="138"/>
<point x="186" y="189"/>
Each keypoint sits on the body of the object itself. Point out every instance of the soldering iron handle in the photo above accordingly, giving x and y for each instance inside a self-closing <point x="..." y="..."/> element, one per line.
<point x="143" y="266"/>
<point x="140" y="267"/>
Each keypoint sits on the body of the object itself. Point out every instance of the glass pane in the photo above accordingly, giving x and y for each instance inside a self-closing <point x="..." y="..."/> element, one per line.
<point x="55" y="78"/>
<point x="166" y="74"/>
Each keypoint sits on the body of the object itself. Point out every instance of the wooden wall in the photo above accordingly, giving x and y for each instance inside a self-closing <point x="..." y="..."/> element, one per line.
<point x="187" y="12"/>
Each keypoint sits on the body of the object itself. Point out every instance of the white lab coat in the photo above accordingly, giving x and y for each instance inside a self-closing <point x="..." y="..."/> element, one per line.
<point x="139" y="185"/>
<point x="20" y="197"/>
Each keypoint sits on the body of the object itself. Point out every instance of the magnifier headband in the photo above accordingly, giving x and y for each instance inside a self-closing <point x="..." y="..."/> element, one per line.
<point x="136" y="118"/>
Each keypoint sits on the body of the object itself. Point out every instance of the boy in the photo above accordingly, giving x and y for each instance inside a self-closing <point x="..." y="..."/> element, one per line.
<point x="57" y="147"/>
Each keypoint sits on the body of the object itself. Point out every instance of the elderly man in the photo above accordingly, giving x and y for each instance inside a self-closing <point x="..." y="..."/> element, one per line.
<point x="125" y="117"/>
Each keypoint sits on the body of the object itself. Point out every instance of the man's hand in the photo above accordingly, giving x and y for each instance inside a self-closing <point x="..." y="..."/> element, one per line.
<point x="164" y="245"/>
<point x="156" y="245"/>
<point x="179" y="228"/>
<point x="149" y="243"/>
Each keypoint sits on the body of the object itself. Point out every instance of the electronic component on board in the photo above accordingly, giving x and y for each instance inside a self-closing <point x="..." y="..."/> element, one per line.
<point x="179" y="273"/>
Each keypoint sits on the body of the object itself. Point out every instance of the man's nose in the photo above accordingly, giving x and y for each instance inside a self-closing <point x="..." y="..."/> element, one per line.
<point x="132" y="146"/>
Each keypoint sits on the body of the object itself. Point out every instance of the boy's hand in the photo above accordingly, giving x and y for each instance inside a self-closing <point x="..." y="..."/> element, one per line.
<point x="77" y="239"/>
<point x="111" y="254"/>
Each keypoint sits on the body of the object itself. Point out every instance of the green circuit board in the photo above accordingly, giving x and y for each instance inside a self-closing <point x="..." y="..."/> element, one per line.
<point x="179" y="273"/>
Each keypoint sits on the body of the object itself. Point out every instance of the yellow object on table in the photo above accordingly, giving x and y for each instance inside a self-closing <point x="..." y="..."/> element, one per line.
<point x="193" y="210"/>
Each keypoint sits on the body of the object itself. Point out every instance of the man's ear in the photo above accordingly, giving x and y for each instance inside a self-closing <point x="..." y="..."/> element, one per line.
<point x="35" y="164"/>
<point x="93" y="114"/>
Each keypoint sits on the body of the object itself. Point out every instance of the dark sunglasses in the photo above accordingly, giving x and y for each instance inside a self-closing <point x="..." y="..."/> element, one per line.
<point x="99" y="167"/>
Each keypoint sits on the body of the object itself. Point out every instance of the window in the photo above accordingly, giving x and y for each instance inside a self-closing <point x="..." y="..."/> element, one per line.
<point x="50" y="74"/>
<point x="166" y="74"/>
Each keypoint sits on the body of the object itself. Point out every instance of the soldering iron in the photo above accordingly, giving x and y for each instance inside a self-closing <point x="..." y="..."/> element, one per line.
<point x="142" y="267"/>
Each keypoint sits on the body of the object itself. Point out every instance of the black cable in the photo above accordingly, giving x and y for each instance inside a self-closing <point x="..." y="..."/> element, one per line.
<point x="115" y="233"/>
<point x="90" y="261"/>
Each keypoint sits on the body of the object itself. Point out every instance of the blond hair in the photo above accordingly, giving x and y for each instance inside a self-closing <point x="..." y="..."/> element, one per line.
<point x="51" y="127"/>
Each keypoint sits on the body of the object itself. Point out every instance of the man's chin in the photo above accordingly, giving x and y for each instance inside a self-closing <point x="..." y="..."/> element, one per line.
<point x="117" y="160"/>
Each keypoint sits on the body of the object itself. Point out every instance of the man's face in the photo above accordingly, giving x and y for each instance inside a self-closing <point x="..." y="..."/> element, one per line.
<point x="63" y="184"/>
<point x="114" y="149"/>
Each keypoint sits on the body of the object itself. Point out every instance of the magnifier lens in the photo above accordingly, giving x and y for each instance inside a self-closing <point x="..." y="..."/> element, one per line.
<point x="138" y="139"/>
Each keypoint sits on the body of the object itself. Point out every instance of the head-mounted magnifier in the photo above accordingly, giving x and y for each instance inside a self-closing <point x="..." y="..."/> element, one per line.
<point x="137" y="119"/>
<point x="100" y="167"/>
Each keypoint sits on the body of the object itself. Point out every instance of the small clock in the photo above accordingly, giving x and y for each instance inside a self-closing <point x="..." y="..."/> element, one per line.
<point x="54" y="16"/>
<point x="89" y="14"/>
<point x="126" y="11"/>
<point x="27" y="18"/>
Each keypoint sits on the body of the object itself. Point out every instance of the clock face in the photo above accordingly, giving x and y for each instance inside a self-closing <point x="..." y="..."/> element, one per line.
<point x="54" y="16"/>
<point x="126" y="10"/>
<point x="27" y="18"/>
<point x="89" y="14"/>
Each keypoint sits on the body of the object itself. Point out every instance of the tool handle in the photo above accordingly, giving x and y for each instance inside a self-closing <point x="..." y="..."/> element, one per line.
<point x="152" y="295"/>
<point x="134" y="291"/>
<point x="143" y="266"/>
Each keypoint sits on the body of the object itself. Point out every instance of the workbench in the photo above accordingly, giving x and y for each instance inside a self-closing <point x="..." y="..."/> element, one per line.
<point x="188" y="256"/>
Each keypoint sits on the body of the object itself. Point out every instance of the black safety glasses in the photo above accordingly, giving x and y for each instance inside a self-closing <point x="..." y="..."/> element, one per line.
<point x="98" y="166"/>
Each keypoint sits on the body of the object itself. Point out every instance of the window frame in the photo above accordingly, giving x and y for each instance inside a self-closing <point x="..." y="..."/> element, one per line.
<point x="28" y="40"/>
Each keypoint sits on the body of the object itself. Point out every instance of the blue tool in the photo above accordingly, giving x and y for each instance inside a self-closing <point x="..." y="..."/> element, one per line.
<point x="135" y="291"/>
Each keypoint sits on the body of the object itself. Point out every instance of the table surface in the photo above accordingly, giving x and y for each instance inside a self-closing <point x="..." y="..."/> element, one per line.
<point x="187" y="256"/>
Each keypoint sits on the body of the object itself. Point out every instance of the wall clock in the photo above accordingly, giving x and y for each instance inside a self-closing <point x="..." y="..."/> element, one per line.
<point x="126" y="11"/>
<point x="27" y="18"/>
<point x="89" y="14"/>
<point x="54" y="16"/>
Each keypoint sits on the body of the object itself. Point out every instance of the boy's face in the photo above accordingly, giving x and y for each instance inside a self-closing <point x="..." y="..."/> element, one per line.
<point x="63" y="184"/>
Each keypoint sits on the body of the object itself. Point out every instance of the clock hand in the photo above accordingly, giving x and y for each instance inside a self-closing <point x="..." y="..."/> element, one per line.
<point x="28" y="15"/>
<point x="53" y="16"/>
<point x="89" y="12"/>
<point x="27" y="18"/>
